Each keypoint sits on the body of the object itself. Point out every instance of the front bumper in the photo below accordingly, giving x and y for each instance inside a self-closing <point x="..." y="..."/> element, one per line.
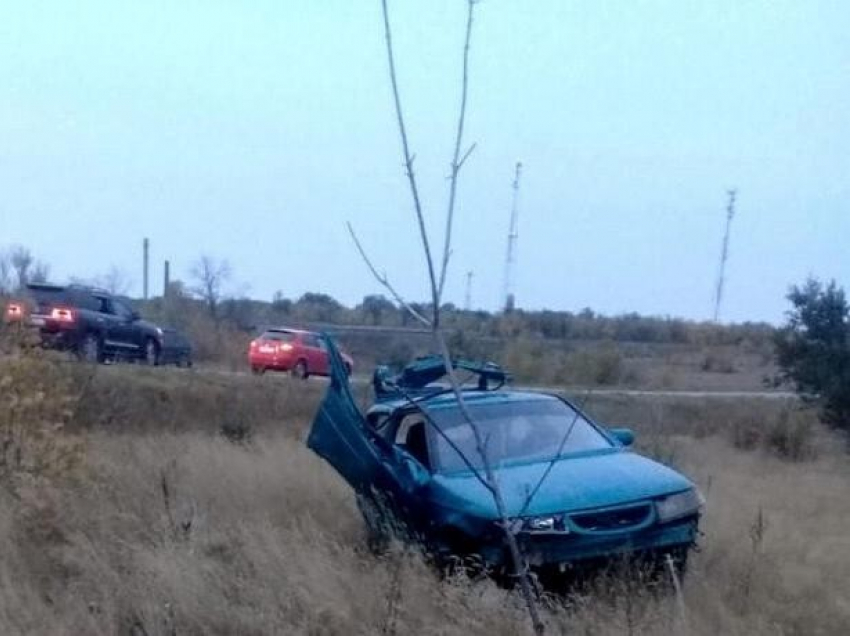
<point x="543" y="549"/>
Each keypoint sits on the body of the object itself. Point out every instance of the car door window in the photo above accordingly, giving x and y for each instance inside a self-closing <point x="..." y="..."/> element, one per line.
<point x="412" y="437"/>
<point x="122" y="310"/>
<point x="104" y="305"/>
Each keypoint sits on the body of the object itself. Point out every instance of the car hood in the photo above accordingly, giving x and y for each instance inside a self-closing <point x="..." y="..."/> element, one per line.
<point x="574" y="483"/>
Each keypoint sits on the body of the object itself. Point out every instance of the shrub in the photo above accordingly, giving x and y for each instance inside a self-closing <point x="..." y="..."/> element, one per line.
<point x="39" y="396"/>
<point x="813" y="349"/>
<point x="790" y="433"/>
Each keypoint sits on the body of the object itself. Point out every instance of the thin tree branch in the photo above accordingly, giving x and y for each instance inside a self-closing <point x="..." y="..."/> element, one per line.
<point x="466" y="155"/>
<point x="519" y="563"/>
<point x="418" y="404"/>
<point x="457" y="163"/>
<point x="533" y="492"/>
<point x="408" y="162"/>
<point x="384" y="281"/>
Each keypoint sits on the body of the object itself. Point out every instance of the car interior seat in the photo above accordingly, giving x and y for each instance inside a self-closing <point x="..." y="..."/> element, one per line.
<point x="417" y="444"/>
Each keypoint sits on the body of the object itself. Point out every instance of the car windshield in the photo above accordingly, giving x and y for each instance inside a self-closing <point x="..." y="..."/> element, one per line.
<point x="514" y="432"/>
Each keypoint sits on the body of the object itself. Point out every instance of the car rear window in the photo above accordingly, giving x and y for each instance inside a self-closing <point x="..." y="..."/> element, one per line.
<point x="280" y="336"/>
<point x="46" y="297"/>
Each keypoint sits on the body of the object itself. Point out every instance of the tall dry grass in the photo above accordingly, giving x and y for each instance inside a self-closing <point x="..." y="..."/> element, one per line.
<point x="169" y="530"/>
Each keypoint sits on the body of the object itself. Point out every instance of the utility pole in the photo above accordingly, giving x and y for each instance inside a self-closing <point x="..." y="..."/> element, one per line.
<point x="468" y="300"/>
<point x="145" y="263"/>
<point x="166" y="279"/>
<point x="724" y="253"/>
<point x="513" y="234"/>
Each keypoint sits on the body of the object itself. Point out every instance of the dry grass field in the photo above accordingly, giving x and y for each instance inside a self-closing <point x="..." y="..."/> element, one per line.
<point x="150" y="501"/>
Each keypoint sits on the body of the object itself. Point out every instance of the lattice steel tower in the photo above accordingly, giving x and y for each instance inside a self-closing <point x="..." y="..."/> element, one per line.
<point x="513" y="234"/>
<point x="724" y="254"/>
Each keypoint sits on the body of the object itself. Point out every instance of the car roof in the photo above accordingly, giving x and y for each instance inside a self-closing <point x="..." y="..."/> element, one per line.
<point x="448" y="400"/>
<point x="78" y="287"/>
<point x="287" y="330"/>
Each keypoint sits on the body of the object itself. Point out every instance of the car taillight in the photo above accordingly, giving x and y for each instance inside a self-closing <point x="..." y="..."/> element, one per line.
<point x="62" y="315"/>
<point x="285" y="347"/>
<point x="253" y="344"/>
<point x="14" y="311"/>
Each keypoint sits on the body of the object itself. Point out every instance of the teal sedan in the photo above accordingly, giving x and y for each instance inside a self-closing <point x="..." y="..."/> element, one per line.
<point x="574" y="491"/>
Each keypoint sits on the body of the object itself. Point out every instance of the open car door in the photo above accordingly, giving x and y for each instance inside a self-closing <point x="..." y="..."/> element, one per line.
<point x="342" y="437"/>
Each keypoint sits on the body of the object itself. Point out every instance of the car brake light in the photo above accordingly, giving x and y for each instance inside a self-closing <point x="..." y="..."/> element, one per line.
<point x="253" y="344"/>
<point x="14" y="311"/>
<point x="285" y="347"/>
<point x="62" y="315"/>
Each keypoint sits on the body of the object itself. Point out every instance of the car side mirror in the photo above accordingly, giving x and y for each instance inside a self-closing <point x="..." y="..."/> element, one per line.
<point x="625" y="436"/>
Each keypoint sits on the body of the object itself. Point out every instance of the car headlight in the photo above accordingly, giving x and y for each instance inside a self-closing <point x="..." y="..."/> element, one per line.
<point x="680" y="505"/>
<point x="545" y="523"/>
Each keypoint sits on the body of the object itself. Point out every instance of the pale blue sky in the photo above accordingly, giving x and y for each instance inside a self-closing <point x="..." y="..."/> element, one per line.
<point x="253" y="130"/>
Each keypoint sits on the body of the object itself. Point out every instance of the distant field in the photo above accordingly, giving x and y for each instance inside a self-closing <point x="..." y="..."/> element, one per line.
<point x="600" y="364"/>
<point x="159" y="523"/>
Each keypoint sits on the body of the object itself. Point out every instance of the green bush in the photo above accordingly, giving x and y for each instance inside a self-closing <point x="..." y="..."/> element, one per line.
<point x="813" y="349"/>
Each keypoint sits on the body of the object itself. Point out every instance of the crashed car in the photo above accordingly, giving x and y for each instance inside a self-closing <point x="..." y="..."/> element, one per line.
<point x="573" y="491"/>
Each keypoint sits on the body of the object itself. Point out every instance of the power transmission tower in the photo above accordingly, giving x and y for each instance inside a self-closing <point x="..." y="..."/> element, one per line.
<point x="513" y="234"/>
<point x="468" y="300"/>
<point x="166" y="278"/>
<point x="724" y="253"/>
<point x="145" y="263"/>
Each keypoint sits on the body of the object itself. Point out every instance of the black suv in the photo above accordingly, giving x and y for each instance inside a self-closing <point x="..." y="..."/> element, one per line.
<point x="96" y="325"/>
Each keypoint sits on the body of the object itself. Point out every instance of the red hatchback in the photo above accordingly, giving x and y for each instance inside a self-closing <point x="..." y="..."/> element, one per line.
<point x="301" y="352"/>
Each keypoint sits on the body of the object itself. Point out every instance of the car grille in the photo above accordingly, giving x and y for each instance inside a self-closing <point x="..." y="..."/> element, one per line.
<point x="608" y="520"/>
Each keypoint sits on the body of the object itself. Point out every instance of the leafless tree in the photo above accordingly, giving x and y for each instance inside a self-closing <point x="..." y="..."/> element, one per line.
<point x="115" y="281"/>
<point x="209" y="276"/>
<point x="25" y="267"/>
<point x="437" y="282"/>
<point x="5" y="273"/>
<point x="21" y="260"/>
<point x="39" y="272"/>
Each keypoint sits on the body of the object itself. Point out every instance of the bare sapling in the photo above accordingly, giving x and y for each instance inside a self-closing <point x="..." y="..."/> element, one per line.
<point x="437" y="283"/>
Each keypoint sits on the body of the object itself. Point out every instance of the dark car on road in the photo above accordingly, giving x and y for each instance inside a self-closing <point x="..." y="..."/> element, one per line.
<point x="95" y="325"/>
<point x="574" y="492"/>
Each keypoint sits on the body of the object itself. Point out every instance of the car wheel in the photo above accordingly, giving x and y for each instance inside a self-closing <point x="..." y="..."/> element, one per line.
<point x="90" y="349"/>
<point x="300" y="370"/>
<point x="151" y="353"/>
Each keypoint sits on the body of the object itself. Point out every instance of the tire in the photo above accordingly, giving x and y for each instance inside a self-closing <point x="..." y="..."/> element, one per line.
<point x="300" y="370"/>
<point x="151" y="353"/>
<point x="90" y="349"/>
